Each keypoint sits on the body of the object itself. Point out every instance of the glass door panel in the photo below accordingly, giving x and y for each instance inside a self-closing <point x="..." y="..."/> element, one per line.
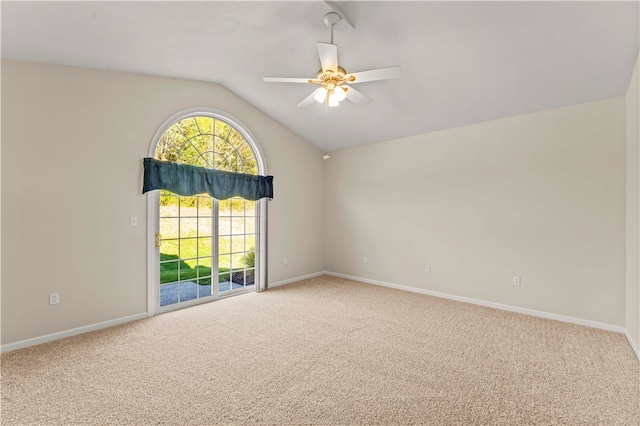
<point x="207" y="247"/>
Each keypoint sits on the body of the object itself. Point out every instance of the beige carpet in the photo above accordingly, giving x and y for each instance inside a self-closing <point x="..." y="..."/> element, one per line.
<point x="328" y="351"/>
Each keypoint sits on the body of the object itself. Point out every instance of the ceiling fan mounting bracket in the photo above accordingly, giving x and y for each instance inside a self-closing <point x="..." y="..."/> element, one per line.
<point x="332" y="18"/>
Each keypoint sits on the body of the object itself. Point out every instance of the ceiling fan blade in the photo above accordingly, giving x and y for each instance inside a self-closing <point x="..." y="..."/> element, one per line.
<point x="373" y="75"/>
<point x="328" y="56"/>
<point x="285" y="80"/>
<point x="356" y="97"/>
<point x="309" y="99"/>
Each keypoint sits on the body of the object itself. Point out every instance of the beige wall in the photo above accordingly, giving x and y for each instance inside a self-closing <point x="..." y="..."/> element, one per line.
<point x="632" y="298"/>
<point x="541" y="196"/>
<point x="72" y="141"/>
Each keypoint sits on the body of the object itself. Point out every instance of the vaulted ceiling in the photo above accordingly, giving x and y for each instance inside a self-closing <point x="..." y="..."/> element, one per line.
<point x="462" y="62"/>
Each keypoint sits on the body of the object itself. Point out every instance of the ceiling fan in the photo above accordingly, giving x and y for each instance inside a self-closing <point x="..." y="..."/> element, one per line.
<point x="334" y="81"/>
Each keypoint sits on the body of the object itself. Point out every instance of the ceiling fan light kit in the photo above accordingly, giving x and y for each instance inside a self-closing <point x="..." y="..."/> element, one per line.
<point x="333" y="79"/>
<point x="332" y="91"/>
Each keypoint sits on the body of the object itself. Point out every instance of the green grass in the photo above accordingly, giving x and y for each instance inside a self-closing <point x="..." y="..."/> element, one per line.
<point x="197" y="251"/>
<point x="186" y="225"/>
<point x="169" y="272"/>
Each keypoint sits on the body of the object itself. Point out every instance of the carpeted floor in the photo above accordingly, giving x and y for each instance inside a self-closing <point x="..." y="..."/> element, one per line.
<point x="328" y="351"/>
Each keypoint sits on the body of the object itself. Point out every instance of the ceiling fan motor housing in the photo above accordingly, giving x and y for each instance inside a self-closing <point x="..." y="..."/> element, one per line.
<point x="330" y="79"/>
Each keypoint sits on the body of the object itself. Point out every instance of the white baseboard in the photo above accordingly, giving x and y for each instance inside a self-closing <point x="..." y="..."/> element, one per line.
<point x="517" y="309"/>
<point x="632" y="343"/>
<point x="68" y="333"/>
<point x="296" y="279"/>
<point x="93" y="327"/>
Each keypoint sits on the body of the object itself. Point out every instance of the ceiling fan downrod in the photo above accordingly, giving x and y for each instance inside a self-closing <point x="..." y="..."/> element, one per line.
<point x="331" y="19"/>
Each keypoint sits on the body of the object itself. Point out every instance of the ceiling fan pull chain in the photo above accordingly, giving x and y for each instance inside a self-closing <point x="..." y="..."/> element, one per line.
<point x="325" y="156"/>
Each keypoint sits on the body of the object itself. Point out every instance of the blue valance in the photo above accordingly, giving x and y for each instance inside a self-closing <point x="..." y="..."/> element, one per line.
<point x="184" y="179"/>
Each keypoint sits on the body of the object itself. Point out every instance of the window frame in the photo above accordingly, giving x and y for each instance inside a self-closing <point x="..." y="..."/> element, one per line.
<point x="153" y="198"/>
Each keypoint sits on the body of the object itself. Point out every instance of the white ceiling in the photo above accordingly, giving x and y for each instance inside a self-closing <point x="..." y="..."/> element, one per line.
<point x="462" y="62"/>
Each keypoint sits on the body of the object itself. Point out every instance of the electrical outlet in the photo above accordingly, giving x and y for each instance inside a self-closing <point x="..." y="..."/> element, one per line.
<point x="54" y="298"/>
<point x="427" y="268"/>
<point x="286" y="260"/>
<point x="134" y="220"/>
<point x="366" y="260"/>
<point x="516" y="280"/>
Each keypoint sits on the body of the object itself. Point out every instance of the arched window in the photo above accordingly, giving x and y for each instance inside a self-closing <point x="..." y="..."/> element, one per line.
<point x="207" y="141"/>
<point x="206" y="248"/>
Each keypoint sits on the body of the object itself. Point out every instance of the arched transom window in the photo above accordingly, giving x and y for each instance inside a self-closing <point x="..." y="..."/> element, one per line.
<point x="207" y="142"/>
